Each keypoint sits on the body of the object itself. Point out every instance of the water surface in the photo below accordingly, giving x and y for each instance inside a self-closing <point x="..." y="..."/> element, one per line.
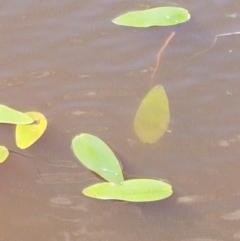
<point x="67" y="60"/>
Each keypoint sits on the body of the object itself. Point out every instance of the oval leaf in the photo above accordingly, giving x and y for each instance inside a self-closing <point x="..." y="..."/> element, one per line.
<point x="153" y="116"/>
<point x="26" y="135"/>
<point x="98" y="157"/>
<point x="11" y="116"/>
<point x="159" y="16"/>
<point x="134" y="190"/>
<point x="4" y="153"/>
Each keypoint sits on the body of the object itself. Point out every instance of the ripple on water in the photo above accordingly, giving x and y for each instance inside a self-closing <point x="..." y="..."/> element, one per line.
<point x="62" y="163"/>
<point x="63" y="178"/>
<point x="61" y="200"/>
<point x="191" y="199"/>
<point x="232" y="216"/>
<point x="41" y="74"/>
<point x="10" y="82"/>
<point x="236" y="235"/>
<point x="201" y="239"/>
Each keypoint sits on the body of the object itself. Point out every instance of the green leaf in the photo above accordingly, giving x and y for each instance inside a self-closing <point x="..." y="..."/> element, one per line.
<point x="153" y="116"/>
<point x="134" y="190"/>
<point x="93" y="153"/>
<point x="26" y="135"/>
<point x="4" y="153"/>
<point x="11" y="116"/>
<point x="159" y="16"/>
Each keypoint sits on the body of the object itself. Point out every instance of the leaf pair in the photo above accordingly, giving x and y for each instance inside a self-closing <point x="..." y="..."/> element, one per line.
<point x="93" y="153"/>
<point x="30" y="127"/>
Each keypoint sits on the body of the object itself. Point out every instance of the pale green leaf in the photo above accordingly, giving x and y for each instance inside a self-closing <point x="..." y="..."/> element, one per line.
<point x="134" y="190"/>
<point x="93" y="153"/>
<point x="159" y="16"/>
<point x="153" y="116"/>
<point x="11" y="116"/>
<point x="4" y="153"/>
<point x="26" y="135"/>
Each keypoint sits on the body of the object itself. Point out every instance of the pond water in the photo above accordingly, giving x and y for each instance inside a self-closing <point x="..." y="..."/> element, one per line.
<point x="67" y="60"/>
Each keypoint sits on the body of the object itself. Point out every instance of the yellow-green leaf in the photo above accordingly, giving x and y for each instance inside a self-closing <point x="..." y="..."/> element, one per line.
<point x="159" y="16"/>
<point x="153" y="116"/>
<point x="94" y="154"/>
<point x="26" y="135"/>
<point x="4" y="153"/>
<point x="11" y="116"/>
<point x="134" y="190"/>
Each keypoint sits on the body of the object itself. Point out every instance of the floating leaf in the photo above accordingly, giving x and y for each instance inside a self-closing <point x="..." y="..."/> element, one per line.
<point x="4" y="153"/>
<point x="134" y="190"/>
<point x="26" y="135"/>
<point x="98" y="157"/>
<point x="159" y="16"/>
<point x="11" y="116"/>
<point x="153" y="116"/>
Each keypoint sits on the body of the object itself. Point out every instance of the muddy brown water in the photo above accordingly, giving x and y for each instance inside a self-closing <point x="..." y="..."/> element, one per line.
<point x="67" y="60"/>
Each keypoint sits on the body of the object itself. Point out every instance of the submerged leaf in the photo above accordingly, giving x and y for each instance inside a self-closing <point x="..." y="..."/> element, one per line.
<point x="159" y="16"/>
<point x="134" y="190"/>
<point x="4" y="153"/>
<point x="153" y="116"/>
<point x="26" y="135"/>
<point x="11" y="116"/>
<point x="98" y="157"/>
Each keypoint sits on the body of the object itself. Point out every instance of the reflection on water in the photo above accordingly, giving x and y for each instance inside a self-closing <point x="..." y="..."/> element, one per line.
<point x="67" y="60"/>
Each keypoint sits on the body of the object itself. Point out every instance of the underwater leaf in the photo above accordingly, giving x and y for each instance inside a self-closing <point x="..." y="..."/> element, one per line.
<point x="11" y="116"/>
<point x="93" y="153"/>
<point x="159" y="16"/>
<point x="134" y="190"/>
<point x="26" y="135"/>
<point x="4" y="153"/>
<point x="153" y="116"/>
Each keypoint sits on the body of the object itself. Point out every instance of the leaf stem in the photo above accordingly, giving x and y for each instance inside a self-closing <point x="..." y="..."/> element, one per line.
<point x="159" y="56"/>
<point x="213" y="43"/>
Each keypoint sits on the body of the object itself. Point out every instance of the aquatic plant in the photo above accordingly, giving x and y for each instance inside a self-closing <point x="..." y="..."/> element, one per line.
<point x="26" y="135"/>
<point x="30" y="127"/>
<point x="133" y="190"/>
<point x="150" y="123"/>
<point x="159" y="16"/>
<point x="4" y="153"/>
<point x="153" y="116"/>
<point x="94" y="154"/>
<point x="12" y="116"/>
